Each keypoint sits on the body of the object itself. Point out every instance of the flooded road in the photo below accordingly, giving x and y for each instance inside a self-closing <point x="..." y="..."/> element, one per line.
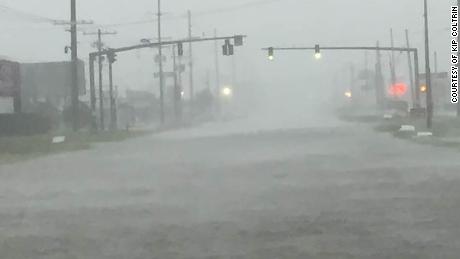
<point x="320" y="190"/>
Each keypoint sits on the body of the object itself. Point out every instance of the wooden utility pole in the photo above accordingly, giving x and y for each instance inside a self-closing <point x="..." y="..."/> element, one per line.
<point x="393" y="62"/>
<point x="414" y="88"/>
<point x="99" y="45"/>
<point x="74" y="90"/>
<point x="379" y="81"/>
<point x="429" y="94"/>
<point x="160" y="64"/>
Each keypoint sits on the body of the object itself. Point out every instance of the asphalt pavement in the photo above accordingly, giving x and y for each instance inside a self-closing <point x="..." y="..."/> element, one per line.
<point x="252" y="188"/>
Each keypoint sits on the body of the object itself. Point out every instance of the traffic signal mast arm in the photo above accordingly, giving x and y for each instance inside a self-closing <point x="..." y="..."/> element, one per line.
<point x="163" y="43"/>
<point x="345" y="48"/>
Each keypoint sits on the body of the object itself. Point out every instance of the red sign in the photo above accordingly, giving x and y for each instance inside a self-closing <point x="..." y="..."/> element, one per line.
<point x="398" y="90"/>
<point x="10" y="82"/>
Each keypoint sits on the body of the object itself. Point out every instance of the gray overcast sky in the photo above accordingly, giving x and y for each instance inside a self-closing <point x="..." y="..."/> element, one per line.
<point x="285" y="22"/>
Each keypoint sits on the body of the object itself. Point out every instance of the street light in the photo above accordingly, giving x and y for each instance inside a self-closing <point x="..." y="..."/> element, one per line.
<point x="348" y="94"/>
<point x="227" y="92"/>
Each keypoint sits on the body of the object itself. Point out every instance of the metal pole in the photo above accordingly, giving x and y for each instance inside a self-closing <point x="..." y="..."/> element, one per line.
<point x="176" y="88"/>
<point x="92" y="90"/>
<point x="112" y="99"/>
<point x="179" y="79"/>
<point x="101" y="91"/>
<point x="429" y="95"/>
<point x="413" y="87"/>
<point x="352" y="81"/>
<point x="393" y="63"/>
<point x="380" y="92"/>
<point x="192" y="90"/>
<point x="417" y="80"/>
<point x="216" y="60"/>
<point x="74" y="90"/>
<point x="160" y="63"/>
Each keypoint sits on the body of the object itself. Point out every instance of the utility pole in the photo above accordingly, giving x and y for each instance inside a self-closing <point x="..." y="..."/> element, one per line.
<point x="160" y="64"/>
<point x="379" y="81"/>
<point x="177" y="91"/>
<point x="414" y="88"/>
<point x="366" y="67"/>
<point x="352" y="80"/>
<point x="192" y="90"/>
<point x="99" y="46"/>
<point x="74" y="90"/>
<point x="234" y="71"/>
<point x="101" y="91"/>
<point x="113" y="120"/>
<point x="393" y="63"/>
<point x="429" y="95"/>
<point x="92" y="90"/>
<point x="217" y="93"/>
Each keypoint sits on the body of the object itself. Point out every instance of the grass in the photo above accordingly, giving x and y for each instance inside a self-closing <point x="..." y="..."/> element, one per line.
<point x="446" y="130"/>
<point x="15" y="149"/>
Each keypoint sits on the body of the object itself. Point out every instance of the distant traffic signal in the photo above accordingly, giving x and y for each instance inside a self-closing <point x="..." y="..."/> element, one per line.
<point x="317" y="51"/>
<point x="271" y="53"/>
<point x="112" y="56"/>
<point x="180" y="49"/>
<point x="238" y="40"/>
<point x="228" y="49"/>
<point x="231" y="50"/>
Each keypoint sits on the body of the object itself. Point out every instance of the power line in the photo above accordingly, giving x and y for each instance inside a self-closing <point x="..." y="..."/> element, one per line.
<point x="25" y="15"/>
<point x="202" y="13"/>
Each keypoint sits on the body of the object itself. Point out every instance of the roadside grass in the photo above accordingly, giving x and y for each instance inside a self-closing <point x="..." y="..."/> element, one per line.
<point x="16" y="149"/>
<point x="446" y="130"/>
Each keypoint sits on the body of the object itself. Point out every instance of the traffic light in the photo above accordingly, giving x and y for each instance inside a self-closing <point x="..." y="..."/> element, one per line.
<point x="180" y="49"/>
<point x="112" y="56"/>
<point x="231" y="50"/>
<point x="238" y="40"/>
<point x="271" y="53"/>
<point x="228" y="48"/>
<point x="317" y="51"/>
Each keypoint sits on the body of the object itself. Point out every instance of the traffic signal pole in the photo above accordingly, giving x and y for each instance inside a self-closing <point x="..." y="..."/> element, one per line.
<point x="192" y="87"/>
<point x="104" y="52"/>
<point x="217" y="67"/>
<point x="92" y="57"/>
<point x="414" y="87"/>
<point x="377" y="48"/>
<point x="112" y="99"/>
<point x="101" y="91"/>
